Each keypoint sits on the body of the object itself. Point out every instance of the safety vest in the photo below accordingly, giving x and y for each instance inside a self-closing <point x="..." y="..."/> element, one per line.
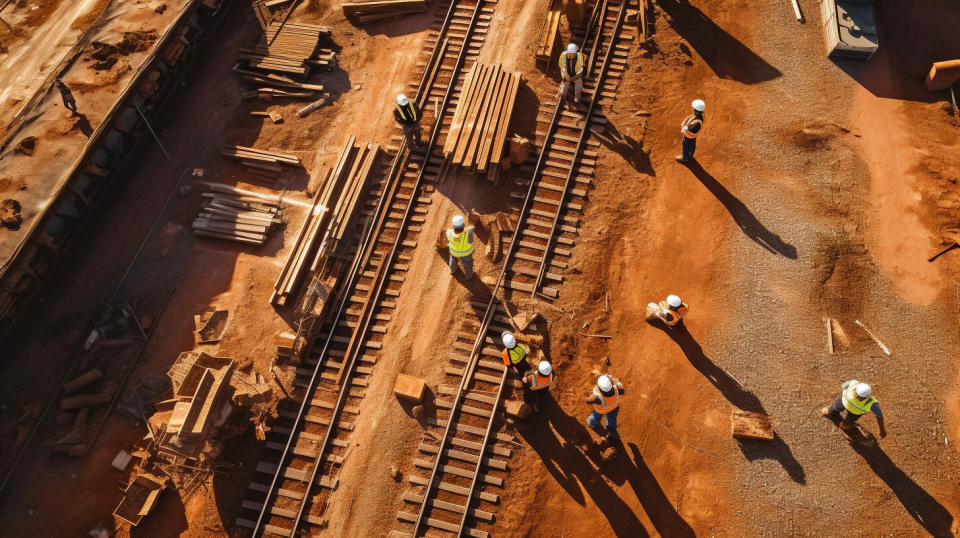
<point x="691" y="120"/>
<point x="407" y="112"/>
<point x="671" y="316"/>
<point x="515" y="355"/>
<point x="571" y="62"/>
<point x="609" y="402"/>
<point x="853" y="405"/>
<point x="460" y="244"/>
<point x="538" y="381"/>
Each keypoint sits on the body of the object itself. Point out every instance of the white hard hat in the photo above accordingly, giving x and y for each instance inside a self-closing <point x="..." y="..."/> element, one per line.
<point x="544" y="368"/>
<point x="571" y="48"/>
<point x="674" y="301"/>
<point x="864" y="390"/>
<point x="509" y="340"/>
<point x="402" y="100"/>
<point x="458" y="221"/>
<point x="699" y="105"/>
<point x="604" y="383"/>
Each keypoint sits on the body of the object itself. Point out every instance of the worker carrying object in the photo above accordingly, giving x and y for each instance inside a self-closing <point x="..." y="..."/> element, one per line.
<point x="460" y="243"/>
<point x="408" y="116"/>
<point x="856" y="399"/>
<point x="514" y="353"/>
<point x="605" y="400"/>
<point x="670" y="312"/>
<point x="690" y="129"/>
<point x="572" y="63"/>
<point x="536" y="384"/>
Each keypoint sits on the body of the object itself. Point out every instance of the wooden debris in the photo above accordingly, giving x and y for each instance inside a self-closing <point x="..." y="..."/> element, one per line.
<point x="287" y="48"/>
<point x="478" y="130"/>
<point x="370" y="11"/>
<point x="796" y="10"/>
<point x="140" y="497"/>
<point x="549" y="35"/>
<point x="748" y="425"/>
<point x="275" y="117"/>
<point x="830" y="335"/>
<point x="334" y="209"/>
<point x="303" y="112"/>
<point x="873" y="337"/>
<point x="605" y="336"/>
<point x="232" y="214"/>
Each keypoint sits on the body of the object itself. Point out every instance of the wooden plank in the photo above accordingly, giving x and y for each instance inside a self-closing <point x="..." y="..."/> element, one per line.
<point x="500" y="139"/>
<point x="415" y="498"/>
<point x="466" y="94"/>
<point x="476" y="100"/>
<point x="486" y="116"/>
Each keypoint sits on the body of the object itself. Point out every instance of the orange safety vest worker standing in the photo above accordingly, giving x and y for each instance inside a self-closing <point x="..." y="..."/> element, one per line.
<point x="536" y="384"/>
<point x="690" y="129"/>
<point x="605" y="400"/>
<point x="571" y="70"/>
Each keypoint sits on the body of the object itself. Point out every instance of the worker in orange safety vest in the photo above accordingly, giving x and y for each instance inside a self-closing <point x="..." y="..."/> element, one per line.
<point x="536" y="385"/>
<point x="690" y="128"/>
<point x="605" y="399"/>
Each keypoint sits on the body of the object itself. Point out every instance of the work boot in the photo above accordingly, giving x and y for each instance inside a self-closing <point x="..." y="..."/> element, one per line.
<point x="825" y="411"/>
<point x="680" y="159"/>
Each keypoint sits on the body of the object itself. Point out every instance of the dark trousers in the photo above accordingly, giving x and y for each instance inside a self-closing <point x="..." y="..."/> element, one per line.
<point x="413" y="134"/>
<point x="521" y="368"/>
<point x="534" y="397"/>
<point x="837" y="410"/>
<point x="689" y="146"/>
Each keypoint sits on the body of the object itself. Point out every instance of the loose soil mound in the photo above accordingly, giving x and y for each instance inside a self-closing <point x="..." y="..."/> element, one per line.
<point x="10" y="214"/>
<point x="105" y="55"/>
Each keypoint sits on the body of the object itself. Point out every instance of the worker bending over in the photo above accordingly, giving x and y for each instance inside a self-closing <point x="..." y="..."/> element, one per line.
<point x="670" y="312"/>
<point x="572" y="65"/>
<point x="515" y="354"/>
<point x="460" y="243"/>
<point x="536" y="385"/>
<point x="408" y="116"/>
<point x="856" y="399"/>
<point x="605" y="399"/>
<point x="690" y="129"/>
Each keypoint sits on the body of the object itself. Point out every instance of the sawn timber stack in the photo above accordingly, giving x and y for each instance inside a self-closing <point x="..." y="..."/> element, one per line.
<point x="374" y="10"/>
<point x="236" y="215"/>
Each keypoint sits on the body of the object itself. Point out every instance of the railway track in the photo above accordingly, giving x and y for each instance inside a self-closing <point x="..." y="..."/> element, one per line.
<point x="470" y="456"/>
<point x="308" y="443"/>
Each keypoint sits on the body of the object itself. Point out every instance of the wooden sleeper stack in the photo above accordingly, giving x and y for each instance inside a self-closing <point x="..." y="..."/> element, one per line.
<point x="232" y="214"/>
<point x="261" y="164"/>
<point x="369" y="11"/>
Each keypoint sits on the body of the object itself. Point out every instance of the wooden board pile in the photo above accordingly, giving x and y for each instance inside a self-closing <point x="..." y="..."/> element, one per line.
<point x="548" y="35"/>
<point x="334" y="209"/>
<point x="282" y="58"/>
<point x="262" y="165"/>
<point x="360" y="12"/>
<point x="478" y="130"/>
<point x="236" y="215"/>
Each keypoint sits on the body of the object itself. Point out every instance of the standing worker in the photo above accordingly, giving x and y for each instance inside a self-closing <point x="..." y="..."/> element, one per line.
<point x="689" y="129"/>
<point x="536" y="384"/>
<point x="605" y="399"/>
<point x="856" y="399"/>
<point x="515" y="354"/>
<point x="460" y="243"/>
<point x="670" y="312"/>
<point x="571" y="70"/>
<point x="408" y="116"/>
<point x="69" y="102"/>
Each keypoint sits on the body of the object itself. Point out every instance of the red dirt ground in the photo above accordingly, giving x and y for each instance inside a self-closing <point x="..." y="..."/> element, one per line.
<point x="820" y="190"/>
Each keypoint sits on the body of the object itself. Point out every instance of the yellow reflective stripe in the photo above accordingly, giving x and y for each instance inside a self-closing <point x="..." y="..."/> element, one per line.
<point x="535" y="383"/>
<point x="407" y="112"/>
<point x="460" y="245"/>
<point x="853" y="405"/>
<point x="576" y="67"/>
<point x="517" y="354"/>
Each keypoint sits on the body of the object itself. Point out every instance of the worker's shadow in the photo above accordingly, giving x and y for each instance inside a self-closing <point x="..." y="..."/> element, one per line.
<point x="725" y="54"/>
<point x="742" y="215"/>
<point x="740" y="398"/>
<point x="626" y="147"/>
<point x="926" y="510"/>
<point x="570" y="461"/>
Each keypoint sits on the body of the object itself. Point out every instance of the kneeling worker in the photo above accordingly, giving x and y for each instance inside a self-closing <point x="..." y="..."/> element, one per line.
<point x="670" y="312"/>
<point x="536" y="385"/>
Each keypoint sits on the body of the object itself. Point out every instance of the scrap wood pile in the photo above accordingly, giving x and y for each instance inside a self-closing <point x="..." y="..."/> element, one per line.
<point x="281" y="60"/>
<point x="478" y="131"/>
<point x="236" y="215"/>
<point x="375" y="10"/>
<point x="261" y="164"/>
<point x="335" y="206"/>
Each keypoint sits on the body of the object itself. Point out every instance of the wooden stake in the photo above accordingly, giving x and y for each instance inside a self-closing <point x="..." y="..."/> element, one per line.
<point x="830" y="335"/>
<point x="796" y="10"/>
<point x="606" y="301"/>
<point x="596" y="335"/>
<point x="875" y="339"/>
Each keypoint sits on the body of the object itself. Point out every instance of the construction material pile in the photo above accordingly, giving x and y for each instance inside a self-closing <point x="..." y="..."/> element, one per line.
<point x="261" y="164"/>
<point x="478" y="131"/>
<point x="236" y="215"/>
<point x="360" y="12"/>
<point x="548" y="35"/>
<point x="279" y="63"/>
<point x="334" y="209"/>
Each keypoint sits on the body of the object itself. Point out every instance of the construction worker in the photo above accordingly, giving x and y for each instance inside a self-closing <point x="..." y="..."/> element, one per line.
<point x="689" y="129"/>
<point x="460" y="243"/>
<point x="605" y="400"/>
<point x="536" y="384"/>
<point x="670" y="312"/>
<point x="408" y="116"/>
<point x="572" y="65"/>
<point x="856" y="399"/>
<point x="515" y="354"/>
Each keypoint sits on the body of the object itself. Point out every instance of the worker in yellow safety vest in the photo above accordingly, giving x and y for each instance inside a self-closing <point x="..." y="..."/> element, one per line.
<point x="856" y="399"/>
<point x="536" y="384"/>
<point x="514" y="353"/>
<point x="605" y="399"/>
<point x="690" y="128"/>
<point x="460" y="243"/>
<point x="572" y="63"/>
<point x="408" y="116"/>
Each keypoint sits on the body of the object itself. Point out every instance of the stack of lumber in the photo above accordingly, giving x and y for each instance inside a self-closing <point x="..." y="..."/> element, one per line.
<point x="548" y="35"/>
<point x="236" y="215"/>
<point x="363" y="11"/>
<point x="478" y="131"/>
<point x="261" y="164"/>
<point x="334" y="209"/>
<point x="290" y="49"/>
